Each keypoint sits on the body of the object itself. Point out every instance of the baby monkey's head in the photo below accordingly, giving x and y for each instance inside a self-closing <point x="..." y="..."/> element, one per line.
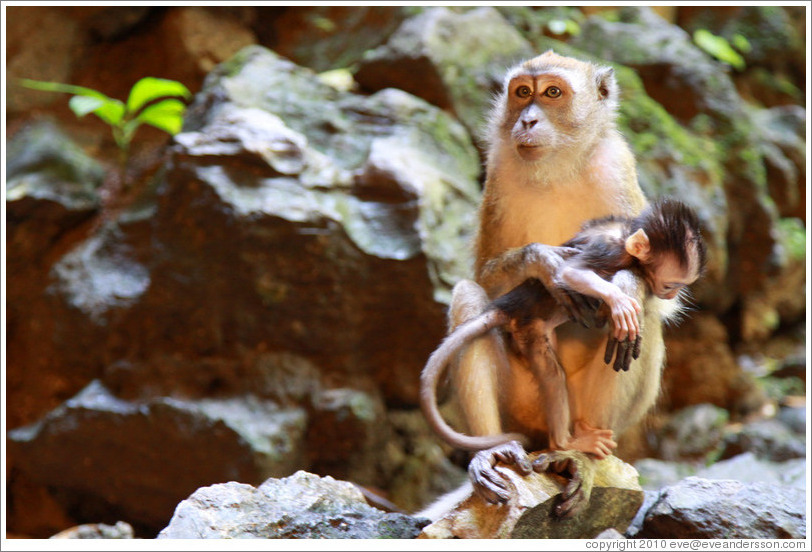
<point x="667" y="240"/>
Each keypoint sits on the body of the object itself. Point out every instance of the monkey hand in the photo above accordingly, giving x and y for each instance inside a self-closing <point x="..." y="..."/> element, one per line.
<point x="623" y="310"/>
<point x="487" y="482"/>
<point x="579" y="469"/>
<point x="623" y="352"/>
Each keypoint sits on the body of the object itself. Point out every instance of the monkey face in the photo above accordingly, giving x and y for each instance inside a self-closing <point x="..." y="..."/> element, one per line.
<point x="539" y="113"/>
<point x="668" y="278"/>
<point x="552" y="104"/>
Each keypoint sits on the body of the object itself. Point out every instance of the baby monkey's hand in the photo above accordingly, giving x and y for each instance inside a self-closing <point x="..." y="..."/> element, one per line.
<point x="624" y="311"/>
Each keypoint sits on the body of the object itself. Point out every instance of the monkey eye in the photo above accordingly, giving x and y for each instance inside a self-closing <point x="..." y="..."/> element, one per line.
<point x="524" y="91"/>
<point x="552" y="92"/>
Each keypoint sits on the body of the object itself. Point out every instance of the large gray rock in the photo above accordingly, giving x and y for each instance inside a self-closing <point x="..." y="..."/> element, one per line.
<point x="615" y="500"/>
<point x="302" y="506"/>
<point x="302" y="203"/>
<point x="451" y="58"/>
<point x="699" y="508"/>
<point x="136" y="460"/>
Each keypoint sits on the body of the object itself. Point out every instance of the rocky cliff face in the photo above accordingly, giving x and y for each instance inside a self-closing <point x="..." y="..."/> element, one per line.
<point x="265" y="297"/>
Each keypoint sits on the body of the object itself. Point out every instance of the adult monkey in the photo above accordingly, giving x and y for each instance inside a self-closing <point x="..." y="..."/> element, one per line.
<point x="555" y="159"/>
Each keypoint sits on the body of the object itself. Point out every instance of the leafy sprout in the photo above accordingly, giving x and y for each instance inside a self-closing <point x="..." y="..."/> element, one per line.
<point x="720" y="48"/>
<point x="152" y="101"/>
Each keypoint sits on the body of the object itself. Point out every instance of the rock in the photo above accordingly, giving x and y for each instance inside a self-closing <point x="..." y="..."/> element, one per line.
<point x="767" y="439"/>
<point x="650" y="497"/>
<point x="677" y="74"/>
<point x="460" y="56"/>
<point x="51" y="187"/>
<point x="343" y="203"/>
<point x="781" y="133"/>
<point x="331" y="37"/>
<point x="121" y="530"/>
<point x="301" y="506"/>
<point x="423" y="468"/>
<point x="702" y="369"/>
<point x="699" y="508"/>
<point x="610" y="534"/>
<point x="656" y="474"/>
<point x="51" y="196"/>
<point x="774" y="57"/>
<point x="136" y="460"/>
<point x="615" y="500"/>
<point x="345" y="437"/>
<point x="111" y="23"/>
<point x="794" y="418"/>
<point x="51" y="57"/>
<point x="692" y="433"/>
<point x="748" y="468"/>
<point x="203" y="38"/>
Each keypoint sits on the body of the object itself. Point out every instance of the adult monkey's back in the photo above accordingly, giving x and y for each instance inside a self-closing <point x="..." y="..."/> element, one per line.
<point x="555" y="160"/>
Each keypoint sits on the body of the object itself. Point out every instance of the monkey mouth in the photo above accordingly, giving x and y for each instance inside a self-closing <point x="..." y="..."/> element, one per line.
<point x="530" y="151"/>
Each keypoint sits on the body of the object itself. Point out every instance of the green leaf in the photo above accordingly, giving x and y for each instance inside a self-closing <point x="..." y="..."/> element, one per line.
<point x="166" y="115"/>
<point x="719" y="48"/>
<point x="60" y="87"/>
<point x="741" y="43"/>
<point x="152" y="88"/>
<point x="111" y="112"/>
<point x="82" y="105"/>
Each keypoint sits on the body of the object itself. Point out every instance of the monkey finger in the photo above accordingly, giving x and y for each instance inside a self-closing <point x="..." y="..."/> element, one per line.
<point x="627" y="356"/>
<point x="512" y="453"/>
<point x="610" y="350"/>
<point x="621" y="355"/>
<point x="486" y="481"/>
<point x="636" y="348"/>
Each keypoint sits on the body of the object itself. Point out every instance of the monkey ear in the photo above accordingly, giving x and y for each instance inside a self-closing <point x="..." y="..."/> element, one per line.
<point x="606" y="83"/>
<point x="638" y="245"/>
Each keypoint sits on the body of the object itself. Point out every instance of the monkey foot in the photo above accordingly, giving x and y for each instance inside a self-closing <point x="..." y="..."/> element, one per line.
<point x="591" y="440"/>
<point x="579" y="469"/>
<point x="486" y="480"/>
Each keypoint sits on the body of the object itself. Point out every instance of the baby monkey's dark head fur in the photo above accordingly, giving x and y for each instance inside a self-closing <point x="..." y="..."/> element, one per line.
<point x="673" y="228"/>
<point x="667" y="231"/>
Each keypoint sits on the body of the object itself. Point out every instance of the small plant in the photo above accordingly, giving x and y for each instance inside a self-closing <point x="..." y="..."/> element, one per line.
<point x="152" y="101"/>
<point x="721" y="49"/>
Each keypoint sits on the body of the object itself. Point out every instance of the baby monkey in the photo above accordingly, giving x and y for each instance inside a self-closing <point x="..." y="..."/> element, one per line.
<point x="606" y="260"/>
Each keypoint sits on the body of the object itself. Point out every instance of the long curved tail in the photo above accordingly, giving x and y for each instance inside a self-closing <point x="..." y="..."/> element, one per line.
<point x="435" y="367"/>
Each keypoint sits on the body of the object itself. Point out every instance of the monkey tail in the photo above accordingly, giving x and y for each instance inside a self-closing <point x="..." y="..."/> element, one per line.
<point x="435" y="367"/>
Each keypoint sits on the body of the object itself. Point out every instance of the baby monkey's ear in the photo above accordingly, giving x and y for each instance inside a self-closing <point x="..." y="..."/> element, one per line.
<point x="638" y="245"/>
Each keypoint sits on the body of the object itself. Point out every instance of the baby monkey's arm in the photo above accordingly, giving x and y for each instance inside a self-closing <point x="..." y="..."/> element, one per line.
<point x="624" y="309"/>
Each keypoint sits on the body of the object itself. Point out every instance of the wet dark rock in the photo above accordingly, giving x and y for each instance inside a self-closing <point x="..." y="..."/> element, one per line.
<point x="302" y="506"/>
<point x="698" y="508"/>
<point x="136" y="460"/>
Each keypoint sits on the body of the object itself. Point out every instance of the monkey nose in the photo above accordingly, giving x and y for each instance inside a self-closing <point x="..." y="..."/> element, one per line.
<point x="527" y="124"/>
